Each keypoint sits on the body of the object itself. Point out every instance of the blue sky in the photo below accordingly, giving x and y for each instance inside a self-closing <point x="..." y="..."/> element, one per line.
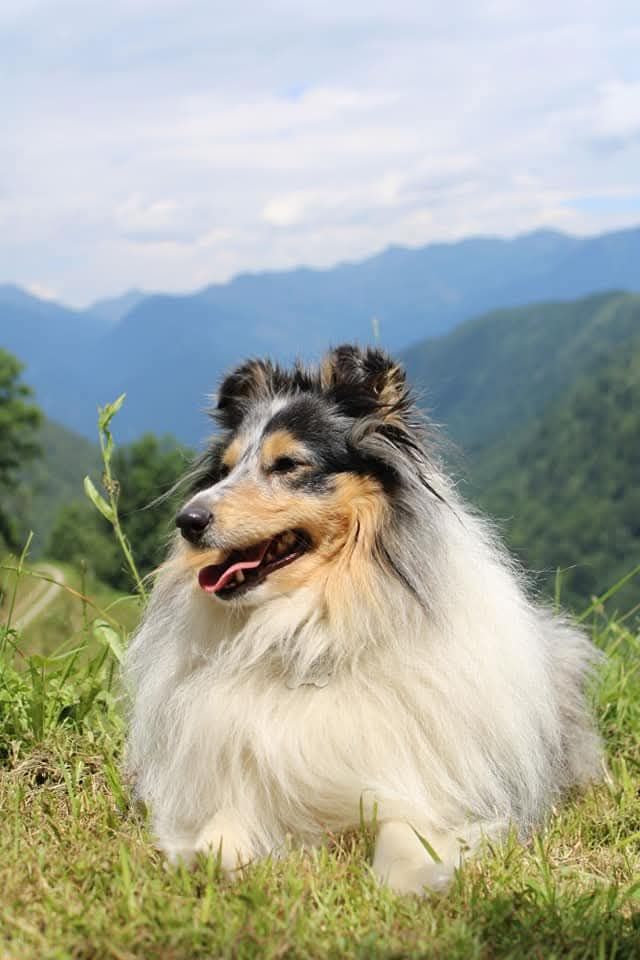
<point x="168" y="144"/>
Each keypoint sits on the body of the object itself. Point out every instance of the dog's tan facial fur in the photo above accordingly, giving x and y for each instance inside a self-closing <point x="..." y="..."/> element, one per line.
<point x="341" y="524"/>
<point x="233" y="453"/>
<point x="281" y="444"/>
<point x="289" y="465"/>
<point x="275" y="445"/>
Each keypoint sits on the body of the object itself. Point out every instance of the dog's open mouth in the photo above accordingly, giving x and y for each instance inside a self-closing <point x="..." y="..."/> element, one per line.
<point x="244" y="569"/>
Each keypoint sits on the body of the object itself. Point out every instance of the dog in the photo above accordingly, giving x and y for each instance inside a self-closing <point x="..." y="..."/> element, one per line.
<point x="336" y="634"/>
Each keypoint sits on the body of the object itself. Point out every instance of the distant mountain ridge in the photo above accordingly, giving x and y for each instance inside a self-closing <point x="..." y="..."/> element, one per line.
<point x="112" y="310"/>
<point x="542" y="404"/>
<point x="168" y="352"/>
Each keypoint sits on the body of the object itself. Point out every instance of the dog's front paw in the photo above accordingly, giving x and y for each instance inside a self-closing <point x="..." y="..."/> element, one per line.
<point x="403" y="876"/>
<point x="225" y="837"/>
<point x="403" y="862"/>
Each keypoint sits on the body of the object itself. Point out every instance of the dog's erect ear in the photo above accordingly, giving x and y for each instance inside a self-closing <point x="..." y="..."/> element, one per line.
<point x="365" y="381"/>
<point x="242" y="387"/>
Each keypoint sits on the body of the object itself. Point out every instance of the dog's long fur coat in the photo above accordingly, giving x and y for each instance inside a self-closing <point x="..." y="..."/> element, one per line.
<point x="396" y="662"/>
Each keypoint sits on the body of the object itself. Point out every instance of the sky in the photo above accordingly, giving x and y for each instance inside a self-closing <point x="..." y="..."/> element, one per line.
<point x="170" y="144"/>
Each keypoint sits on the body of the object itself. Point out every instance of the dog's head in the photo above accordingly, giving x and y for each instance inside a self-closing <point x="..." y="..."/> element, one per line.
<point x="298" y="487"/>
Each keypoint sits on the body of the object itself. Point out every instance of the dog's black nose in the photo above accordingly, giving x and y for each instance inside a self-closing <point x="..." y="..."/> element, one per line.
<point x="193" y="521"/>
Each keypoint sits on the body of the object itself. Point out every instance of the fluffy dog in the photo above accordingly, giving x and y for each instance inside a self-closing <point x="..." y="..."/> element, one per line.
<point x="335" y="630"/>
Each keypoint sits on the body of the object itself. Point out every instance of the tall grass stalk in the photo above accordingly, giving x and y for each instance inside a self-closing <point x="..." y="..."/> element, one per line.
<point x="599" y="602"/>
<point x="14" y="592"/>
<point x="109" y="508"/>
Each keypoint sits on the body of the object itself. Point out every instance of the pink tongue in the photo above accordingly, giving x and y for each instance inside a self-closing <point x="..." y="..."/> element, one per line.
<point x="252" y="557"/>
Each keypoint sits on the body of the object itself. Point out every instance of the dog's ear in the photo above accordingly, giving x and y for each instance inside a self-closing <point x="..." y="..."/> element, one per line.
<point x="366" y="381"/>
<point x="240" y="389"/>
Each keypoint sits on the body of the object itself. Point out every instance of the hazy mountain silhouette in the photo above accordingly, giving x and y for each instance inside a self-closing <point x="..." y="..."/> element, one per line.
<point x="167" y="352"/>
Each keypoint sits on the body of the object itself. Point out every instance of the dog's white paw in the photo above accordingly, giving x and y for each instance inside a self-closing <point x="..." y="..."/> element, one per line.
<point x="403" y="876"/>
<point x="177" y="853"/>
<point x="226" y="838"/>
<point x="402" y="862"/>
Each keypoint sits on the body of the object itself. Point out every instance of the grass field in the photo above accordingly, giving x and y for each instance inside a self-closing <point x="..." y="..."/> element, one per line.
<point x="63" y="623"/>
<point x="80" y="879"/>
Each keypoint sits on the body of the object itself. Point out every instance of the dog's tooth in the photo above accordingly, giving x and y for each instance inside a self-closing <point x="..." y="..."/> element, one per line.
<point x="289" y="537"/>
<point x="239" y="576"/>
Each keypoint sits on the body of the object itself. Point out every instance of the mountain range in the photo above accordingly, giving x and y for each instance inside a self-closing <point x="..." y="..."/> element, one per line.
<point x="542" y="405"/>
<point x="168" y="352"/>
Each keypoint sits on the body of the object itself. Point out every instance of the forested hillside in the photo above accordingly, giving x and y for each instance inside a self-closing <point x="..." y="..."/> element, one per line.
<point x="51" y="480"/>
<point x="544" y="405"/>
<point x="569" y="485"/>
<point x="493" y="373"/>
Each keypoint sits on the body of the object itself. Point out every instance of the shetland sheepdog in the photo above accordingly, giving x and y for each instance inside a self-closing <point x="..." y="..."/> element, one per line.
<point x="335" y="631"/>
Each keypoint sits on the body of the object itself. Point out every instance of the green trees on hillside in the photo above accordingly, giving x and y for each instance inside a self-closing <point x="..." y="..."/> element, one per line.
<point x="544" y="403"/>
<point x="19" y="422"/>
<point x="145" y="471"/>
<point x="54" y="479"/>
<point x="570" y="483"/>
<point x="492" y="375"/>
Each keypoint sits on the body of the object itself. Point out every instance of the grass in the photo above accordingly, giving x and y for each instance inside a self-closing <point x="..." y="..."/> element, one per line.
<point x="80" y="878"/>
<point x="64" y="621"/>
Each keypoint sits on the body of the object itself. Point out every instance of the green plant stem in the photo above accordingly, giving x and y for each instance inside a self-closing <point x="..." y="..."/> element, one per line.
<point x="14" y="592"/>
<point x="110" y="486"/>
<point x="598" y="601"/>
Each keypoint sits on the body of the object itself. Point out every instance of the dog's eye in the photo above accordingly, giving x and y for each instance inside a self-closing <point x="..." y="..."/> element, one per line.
<point x="284" y="465"/>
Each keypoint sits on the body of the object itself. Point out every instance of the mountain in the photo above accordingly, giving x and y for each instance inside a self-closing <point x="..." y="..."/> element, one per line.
<point x="545" y="403"/>
<point x="168" y="352"/>
<point x="495" y="372"/>
<point x="111" y="310"/>
<point x="52" y="341"/>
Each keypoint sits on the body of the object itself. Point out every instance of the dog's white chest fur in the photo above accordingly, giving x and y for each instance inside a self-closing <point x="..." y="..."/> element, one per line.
<point x="452" y="729"/>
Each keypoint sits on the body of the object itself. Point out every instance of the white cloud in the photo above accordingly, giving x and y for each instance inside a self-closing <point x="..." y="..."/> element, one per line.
<point x="618" y="114"/>
<point x="284" y="211"/>
<point x="171" y="144"/>
<point x="41" y="291"/>
<point x="137" y="216"/>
